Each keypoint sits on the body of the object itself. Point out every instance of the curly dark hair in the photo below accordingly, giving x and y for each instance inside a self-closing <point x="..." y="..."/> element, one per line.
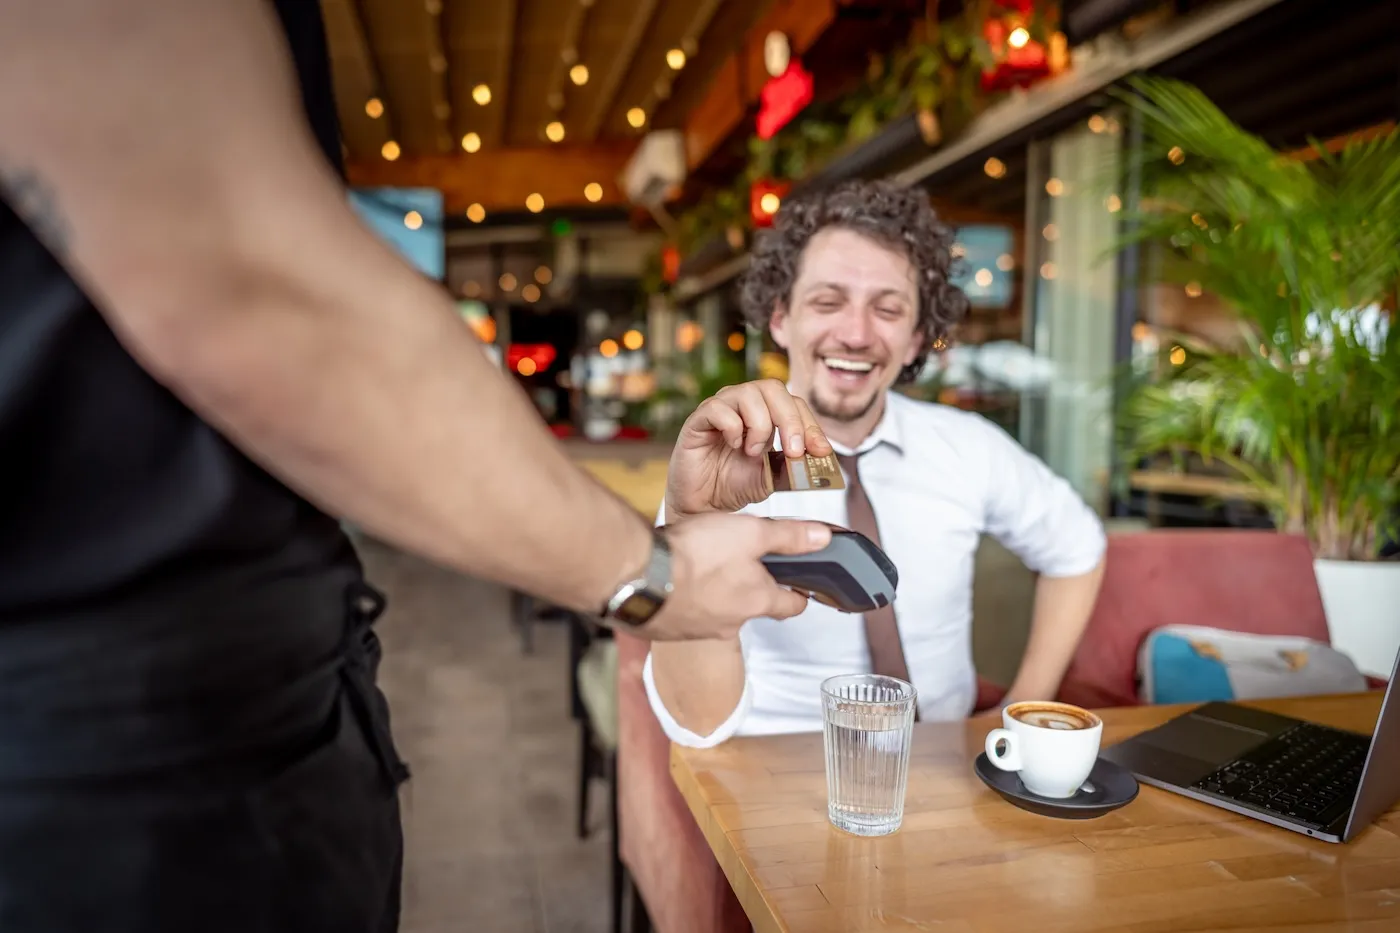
<point x="899" y="218"/>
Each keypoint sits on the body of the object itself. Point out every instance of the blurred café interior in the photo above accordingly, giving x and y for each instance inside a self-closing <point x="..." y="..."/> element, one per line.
<point x="587" y="178"/>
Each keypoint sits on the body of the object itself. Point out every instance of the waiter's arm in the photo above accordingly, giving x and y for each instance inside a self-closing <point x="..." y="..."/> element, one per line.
<point x="159" y="148"/>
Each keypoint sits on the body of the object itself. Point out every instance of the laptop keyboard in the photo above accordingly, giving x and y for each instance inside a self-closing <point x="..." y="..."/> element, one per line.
<point x="1308" y="773"/>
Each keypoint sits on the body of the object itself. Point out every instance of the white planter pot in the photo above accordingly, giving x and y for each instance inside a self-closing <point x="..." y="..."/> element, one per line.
<point x="1362" y="602"/>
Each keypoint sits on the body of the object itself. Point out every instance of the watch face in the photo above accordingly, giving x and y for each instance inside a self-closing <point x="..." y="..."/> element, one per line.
<point x="638" y="608"/>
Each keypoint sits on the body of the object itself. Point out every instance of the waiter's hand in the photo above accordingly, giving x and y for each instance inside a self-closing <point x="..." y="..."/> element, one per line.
<point x="718" y="580"/>
<point x="718" y="463"/>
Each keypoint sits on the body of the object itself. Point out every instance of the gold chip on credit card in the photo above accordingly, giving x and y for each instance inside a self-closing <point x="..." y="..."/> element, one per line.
<point x="805" y="473"/>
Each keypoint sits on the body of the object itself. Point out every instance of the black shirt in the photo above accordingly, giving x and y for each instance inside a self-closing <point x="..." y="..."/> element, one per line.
<point x="163" y="600"/>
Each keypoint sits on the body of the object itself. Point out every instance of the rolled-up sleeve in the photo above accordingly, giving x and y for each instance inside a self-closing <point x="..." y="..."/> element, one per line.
<point x="1036" y="514"/>
<point x="680" y="734"/>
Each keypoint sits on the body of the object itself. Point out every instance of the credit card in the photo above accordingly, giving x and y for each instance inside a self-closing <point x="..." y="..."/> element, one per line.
<point x="805" y="473"/>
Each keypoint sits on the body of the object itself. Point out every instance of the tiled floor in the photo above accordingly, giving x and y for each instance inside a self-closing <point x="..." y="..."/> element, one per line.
<point x="489" y="813"/>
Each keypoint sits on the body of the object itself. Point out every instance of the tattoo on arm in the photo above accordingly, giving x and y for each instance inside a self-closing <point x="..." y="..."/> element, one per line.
<point x="35" y="203"/>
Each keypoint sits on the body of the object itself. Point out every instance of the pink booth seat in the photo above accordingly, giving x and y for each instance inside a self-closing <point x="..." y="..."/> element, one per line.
<point x="666" y="855"/>
<point x="1258" y="582"/>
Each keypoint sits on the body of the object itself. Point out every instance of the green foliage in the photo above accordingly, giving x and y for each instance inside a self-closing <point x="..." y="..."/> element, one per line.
<point x="1307" y="406"/>
<point x="938" y="70"/>
<point x="685" y="384"/>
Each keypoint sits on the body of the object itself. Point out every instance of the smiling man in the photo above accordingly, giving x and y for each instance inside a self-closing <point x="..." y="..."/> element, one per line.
<point x="854" y="284"/>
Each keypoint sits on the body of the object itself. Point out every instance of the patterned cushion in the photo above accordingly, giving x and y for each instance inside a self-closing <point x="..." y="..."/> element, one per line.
<point x="1197" y="664"/>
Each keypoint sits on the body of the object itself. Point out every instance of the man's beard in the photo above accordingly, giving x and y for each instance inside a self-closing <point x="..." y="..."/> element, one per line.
<point x="836" y="413"/>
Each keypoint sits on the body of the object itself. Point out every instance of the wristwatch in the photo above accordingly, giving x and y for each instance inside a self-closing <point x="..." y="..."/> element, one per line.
<point x="636" y="601"/>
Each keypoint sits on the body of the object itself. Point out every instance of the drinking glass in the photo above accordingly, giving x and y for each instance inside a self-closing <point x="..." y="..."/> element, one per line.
<point x="869" y="719"/>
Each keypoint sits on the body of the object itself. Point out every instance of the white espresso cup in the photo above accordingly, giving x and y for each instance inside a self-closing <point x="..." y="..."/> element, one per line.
<point x="1052" y="746"/>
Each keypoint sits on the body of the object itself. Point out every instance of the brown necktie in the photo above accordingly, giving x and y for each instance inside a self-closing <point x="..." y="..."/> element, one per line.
<point x="881" y="629"/>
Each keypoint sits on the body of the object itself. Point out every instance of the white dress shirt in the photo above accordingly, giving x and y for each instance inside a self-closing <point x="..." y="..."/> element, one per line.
<point x="937" y="478"/>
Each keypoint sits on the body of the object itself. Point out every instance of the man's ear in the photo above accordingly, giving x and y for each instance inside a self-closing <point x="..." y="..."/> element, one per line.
<point x="777" y="324"/>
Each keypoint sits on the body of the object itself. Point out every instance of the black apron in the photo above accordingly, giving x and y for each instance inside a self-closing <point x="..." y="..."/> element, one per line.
<point x="191" y="738"/>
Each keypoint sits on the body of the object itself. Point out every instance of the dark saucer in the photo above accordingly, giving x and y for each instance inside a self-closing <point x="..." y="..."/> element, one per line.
<point x="1108" y="788"/>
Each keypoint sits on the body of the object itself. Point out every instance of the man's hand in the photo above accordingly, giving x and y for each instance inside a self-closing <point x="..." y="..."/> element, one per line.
<point x="719" y="582"/>
<point x="718" y="463"/>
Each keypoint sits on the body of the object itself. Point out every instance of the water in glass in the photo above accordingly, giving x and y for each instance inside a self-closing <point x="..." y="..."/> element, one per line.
<point x="869" y="720"/>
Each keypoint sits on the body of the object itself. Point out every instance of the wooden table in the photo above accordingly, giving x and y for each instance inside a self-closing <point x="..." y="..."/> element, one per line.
<point x="965" y="861"/>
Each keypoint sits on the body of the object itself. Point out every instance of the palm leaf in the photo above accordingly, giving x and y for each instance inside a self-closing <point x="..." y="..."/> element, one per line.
<point x="1309" y="410"/>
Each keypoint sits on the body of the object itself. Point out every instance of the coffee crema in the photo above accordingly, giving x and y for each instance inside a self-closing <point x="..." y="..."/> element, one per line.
<point x="1060" y="716"/>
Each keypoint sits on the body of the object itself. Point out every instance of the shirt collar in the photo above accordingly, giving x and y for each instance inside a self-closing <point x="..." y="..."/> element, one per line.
<point x="889" y="430"/>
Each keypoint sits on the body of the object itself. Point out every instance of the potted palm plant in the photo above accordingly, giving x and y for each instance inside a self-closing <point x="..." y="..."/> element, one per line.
<point x="1305" y="404"/>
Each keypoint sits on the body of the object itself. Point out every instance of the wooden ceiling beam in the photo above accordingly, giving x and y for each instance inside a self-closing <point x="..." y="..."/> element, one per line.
<point x="441" y="81"/>
<point x="705" y="11"/>
<point x="728" y="27"/>
<point x="344" y="21"/>
<point x="568" y="56"/>
<point x="500" y="179"/>
<point x="500" y="83"/>
<point x="739" y="80"/>
<point x="621" y="64"/>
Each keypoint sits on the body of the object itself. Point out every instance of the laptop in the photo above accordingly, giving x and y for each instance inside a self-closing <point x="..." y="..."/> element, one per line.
<point x="1310" y="778"/>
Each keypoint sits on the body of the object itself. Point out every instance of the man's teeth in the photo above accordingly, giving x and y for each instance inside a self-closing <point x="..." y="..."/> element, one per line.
<point x="850" y="366"/>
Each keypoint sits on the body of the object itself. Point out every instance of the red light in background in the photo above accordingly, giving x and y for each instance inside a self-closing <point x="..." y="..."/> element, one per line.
<point x="541" y="354"/>
<point x="1015" y="66"/>
<point x="765" y="199"/>
<point x="783" y="98"/>
<point x="670" y="263"/>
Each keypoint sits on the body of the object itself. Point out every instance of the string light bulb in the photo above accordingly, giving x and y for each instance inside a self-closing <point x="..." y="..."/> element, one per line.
<point x="482" y="94"/>
<point x="471" y="142"/>
<point x="534" y="203"/>
<point x="579" y="75"/>
<point x="637" y="117"/>
<point x="374" y="108"/>
<point x="593" y="192"/>
<point x="390" y="150"/>
<point x="554" y="132"/>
